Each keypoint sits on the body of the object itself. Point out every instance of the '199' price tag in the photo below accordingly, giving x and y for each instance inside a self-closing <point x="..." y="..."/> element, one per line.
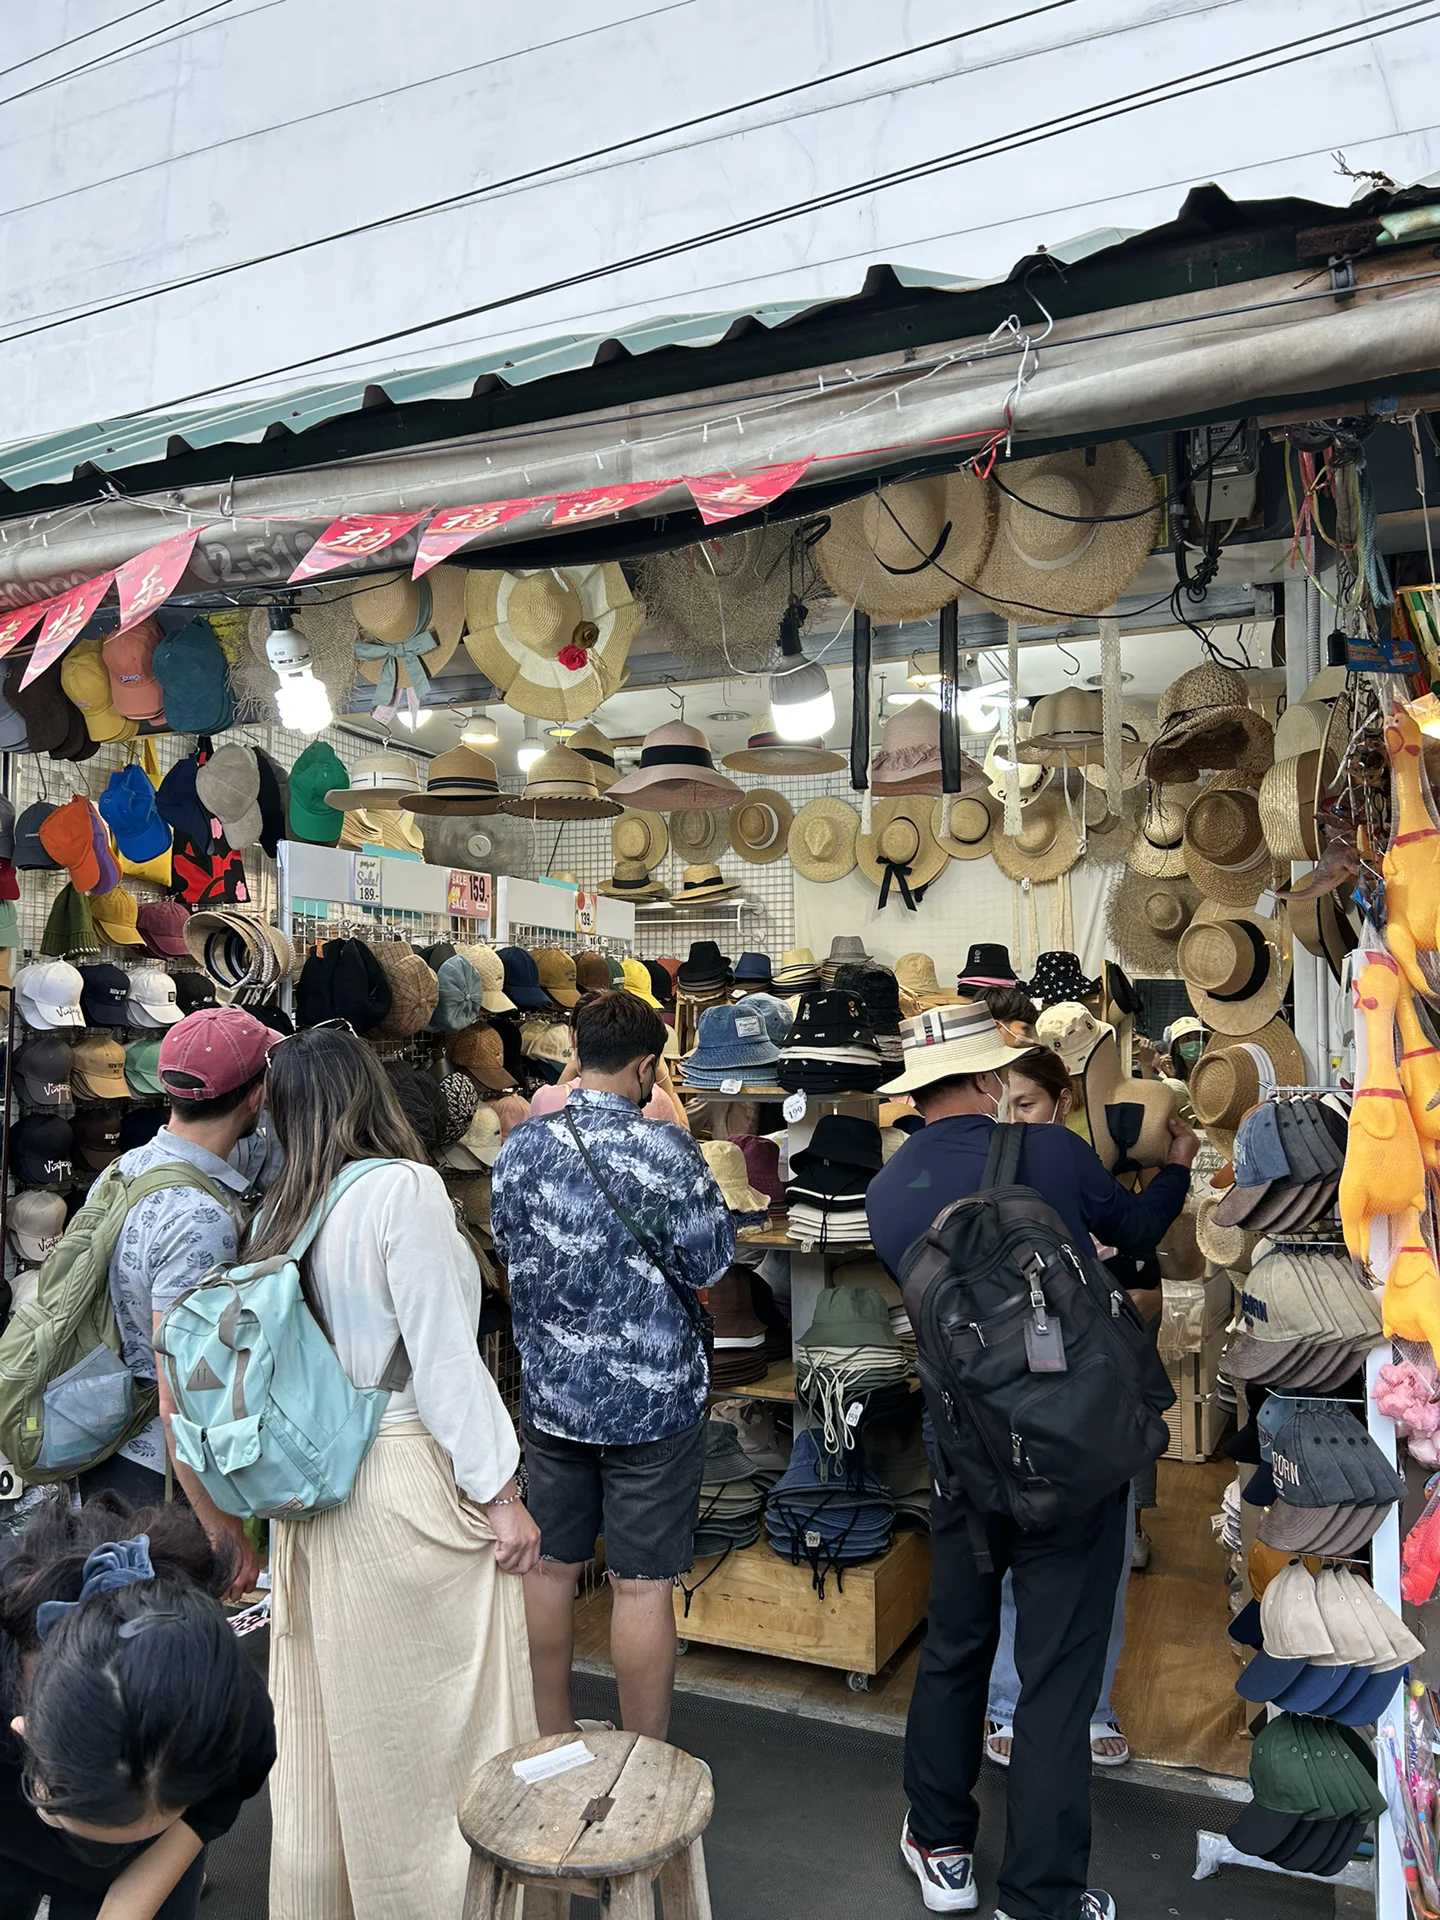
<point x="794" y="1108"/>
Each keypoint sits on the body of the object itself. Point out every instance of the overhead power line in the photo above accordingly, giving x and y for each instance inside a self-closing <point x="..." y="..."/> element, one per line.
<point x="101" y="59"/>
<point x="1076" y="121"/>
<point x="473" y="194"/>
<point x="76" y="38"/>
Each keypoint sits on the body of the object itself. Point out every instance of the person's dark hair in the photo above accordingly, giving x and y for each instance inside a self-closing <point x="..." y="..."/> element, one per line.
<point x="217" y="1107"/>
<point x="614" y="1029"/>
<point x="952" y="1083"/>
<point x="1011" y="1004"/>
<point x="137" y="1700"/>
<point x="422" y="1103"/>
<point x="1045" y="1067"/>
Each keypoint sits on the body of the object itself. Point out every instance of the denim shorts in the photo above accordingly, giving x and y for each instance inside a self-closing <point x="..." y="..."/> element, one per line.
<point x="644" y="1499"/>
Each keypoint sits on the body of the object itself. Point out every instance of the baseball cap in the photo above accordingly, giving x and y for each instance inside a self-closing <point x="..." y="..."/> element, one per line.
<point x="478" y="1148"/>
<point x="30" y="852"/>
<point x="161" y="926"/>
<point x="42" y="704"/>
<point x="228" y="784"/>
<point x="142" y="1067"/>
<point x="99" y="1069"/>
<point x="194" y="682"/>
<point x="274" y="797"/>
<point x="7" y="829"/>
<point x="69" y="926"/>
<point x="556" y="969"/>
<point x="480" y="1052"/>
<point x="130" y="662"/>
<point x="105" y="994"/>
<point x="179" y="806"/>
<point x="128" y="807"/>
<point x="37" y="1221"/>
<point x="152" y="999"/>
<point x="97" y="1136"/>
<point x="13" y="737"/>
<point x="318" y="771"/>
<point x="193" y="990"/>
<point x="114" y="914"/>
<point x="48" y="993"/>
<point x="213" y="1052"/>
<point x="87" y="686"/>
<point x="67" y="837"/>
<point x="491" y="969"/>
<point x="458" y="1004"/>
<point x="44" y="1066"/>
<point x="42" y="1151"/>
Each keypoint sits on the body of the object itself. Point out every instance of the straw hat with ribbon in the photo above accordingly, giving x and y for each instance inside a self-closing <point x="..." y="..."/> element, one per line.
<point x="328" y="630"/>
<point x="908" y="757"/>
<point x="1137" y="730"/>
<point x="822" y="839"/>
<point x="1323" y="928"/>
<point x="719" y="602"/>
<point x="884" y="551"/>
<point x="1129" y="1119"/>
<point x="640" y="836"/>
<point x="589" y="741"/>
<point x="703" y="881"/>
<point x="676" y="771"/>
<point x="560" y="786"/>
<point x="1204" y="720"/>
<point x="409" y="630"/>
<point x="1046" y="845"/>
<point x="768" y="753"/>
<point x="901" y="850"/>
<point x="697" y="834"/>
<point x="1224" y="847"/>
<point x="1158" y="848"/>
<point x="554" y="641"/>
<point x="1058" y="544"/>
<point x="1290" y="798"/>
<point x="760" y="826"/>
<point x="633" y="880"/>
<point x="1232" y="1075"/>
<point x="460" y="781"/>
<point x="1145" y="917"/>
<point x="1236" y="967"/>
<point x="1068" y="730"/>
<point x="972" y="825"/>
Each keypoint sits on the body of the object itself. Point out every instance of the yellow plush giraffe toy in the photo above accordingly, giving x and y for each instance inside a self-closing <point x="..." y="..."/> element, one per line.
<point x="1384" y="1169"/>
<point x="1411" y="1304"/>
<point x="1412" y="861"/>
<point x="1420" y="1077"/>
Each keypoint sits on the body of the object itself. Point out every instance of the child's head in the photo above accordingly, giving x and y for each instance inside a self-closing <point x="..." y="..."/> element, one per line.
<point x="131" y="1699"/>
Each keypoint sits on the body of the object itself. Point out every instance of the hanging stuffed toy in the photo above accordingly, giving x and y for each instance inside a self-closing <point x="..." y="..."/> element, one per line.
<point x="1384" y="1171"/>
<point x="1420" y="1076"/>
<point x="1411" y="1305"/>
<point x="1412" y="860"/>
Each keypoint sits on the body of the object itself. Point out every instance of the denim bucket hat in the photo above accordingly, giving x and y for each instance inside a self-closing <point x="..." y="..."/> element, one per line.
<point x="731" y="1038"/>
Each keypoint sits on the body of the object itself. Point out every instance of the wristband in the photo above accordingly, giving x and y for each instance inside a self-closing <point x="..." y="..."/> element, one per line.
<point x="510" y="1500"/>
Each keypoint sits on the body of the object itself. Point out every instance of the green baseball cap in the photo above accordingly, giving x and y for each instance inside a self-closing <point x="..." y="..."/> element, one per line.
<point x="1313" y="1768"/>
<point x="69" y="927"/>
<point x="617" y="972"/>
<point x="142" y="1067"/>
<point x="318" y="771"/>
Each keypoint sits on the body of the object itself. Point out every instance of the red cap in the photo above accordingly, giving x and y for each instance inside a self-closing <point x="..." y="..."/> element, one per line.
<point x="212" y="1052"/>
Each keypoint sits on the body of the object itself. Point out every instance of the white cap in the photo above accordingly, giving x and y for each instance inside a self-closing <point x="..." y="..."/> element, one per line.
<point x="37" y="1220"/>
<point x="49" y="994"/>
<point x="479" y="1148"/>
<point x="152" y="999"/>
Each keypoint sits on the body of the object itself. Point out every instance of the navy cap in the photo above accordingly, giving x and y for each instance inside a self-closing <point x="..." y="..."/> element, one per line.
<point x="1267" y="1677"/>
<point x="522" y="979"/>
<point x="179" y="806"/>
<point x="1259" y="1832"/>
<point x="1366" y="1698"/>
<point x="1245" y="1629"/>
<point x="105" y="996"/>
<point x="1314" y="1689"/>
<point x="1260" y="1489"/>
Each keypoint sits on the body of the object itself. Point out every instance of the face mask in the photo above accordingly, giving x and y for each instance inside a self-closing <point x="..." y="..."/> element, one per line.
<point x="999" y="1102"/>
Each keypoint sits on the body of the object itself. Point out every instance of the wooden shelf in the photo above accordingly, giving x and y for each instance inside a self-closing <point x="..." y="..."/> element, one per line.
<point x="766" y="1236"/>
<point x="778" y="1384"/>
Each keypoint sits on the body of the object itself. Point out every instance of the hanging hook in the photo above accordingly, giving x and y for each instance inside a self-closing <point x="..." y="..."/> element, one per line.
<point x="1072" y="671"/>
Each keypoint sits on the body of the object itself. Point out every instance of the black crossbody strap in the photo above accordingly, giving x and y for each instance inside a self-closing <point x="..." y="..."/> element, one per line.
<point x="690" y="1305"/>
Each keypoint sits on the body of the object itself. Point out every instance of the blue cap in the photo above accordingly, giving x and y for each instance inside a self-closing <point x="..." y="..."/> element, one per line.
<point x="178" y="803"/>
<point x="1314" y="1689"/>
<point x="128" y="805"/>
<point x="1366" y="1698"/>
<point x="1244" y="1629"/>
<point x="1267" y="1677"/>
<point x="1259" y="1154"/>
<point x="194" y="680"/>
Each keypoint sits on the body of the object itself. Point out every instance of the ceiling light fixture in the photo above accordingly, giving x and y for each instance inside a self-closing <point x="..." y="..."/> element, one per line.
<point x="530" y="748"/>
<point x="481" y="731"/>
<point x="802" y="706"/>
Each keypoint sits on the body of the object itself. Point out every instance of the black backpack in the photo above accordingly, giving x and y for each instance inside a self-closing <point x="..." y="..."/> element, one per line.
<point x="998" y="1295"/>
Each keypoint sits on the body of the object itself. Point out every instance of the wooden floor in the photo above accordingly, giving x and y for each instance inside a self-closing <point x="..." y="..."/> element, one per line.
<point x="1175" y="1693"/>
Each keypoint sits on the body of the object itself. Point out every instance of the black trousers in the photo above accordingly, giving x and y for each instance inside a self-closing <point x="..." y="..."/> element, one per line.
<point x="1065" y="1583"/>
<point x="22" y="1888"/>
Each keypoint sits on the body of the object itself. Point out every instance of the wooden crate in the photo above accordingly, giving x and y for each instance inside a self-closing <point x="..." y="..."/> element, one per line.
<point x="1197" y="1421"/>
<point x="759" y="1603"/>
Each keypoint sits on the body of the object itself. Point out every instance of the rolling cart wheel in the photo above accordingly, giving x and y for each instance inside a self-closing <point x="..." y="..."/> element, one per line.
<point x="858" y="1682"/>
<point x="682" y="1646"/>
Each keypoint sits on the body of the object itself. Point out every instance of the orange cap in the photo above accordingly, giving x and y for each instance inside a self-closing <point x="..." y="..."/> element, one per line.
<point x="66" y="836"/>
<point x="129" y="661"/>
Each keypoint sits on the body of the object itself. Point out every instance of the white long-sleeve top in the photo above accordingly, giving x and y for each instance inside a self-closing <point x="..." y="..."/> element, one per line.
<point x="388" y="1263"/>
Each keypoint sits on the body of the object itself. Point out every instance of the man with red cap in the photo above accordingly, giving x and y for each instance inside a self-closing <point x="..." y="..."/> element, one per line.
<point x="212" y="1067"/>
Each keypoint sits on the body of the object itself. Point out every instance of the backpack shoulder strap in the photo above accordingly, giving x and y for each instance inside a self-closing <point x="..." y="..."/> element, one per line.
<point x="1002" y="1163"/>
<point x="342" y="1183"/>
<point x="175" y="1173"/>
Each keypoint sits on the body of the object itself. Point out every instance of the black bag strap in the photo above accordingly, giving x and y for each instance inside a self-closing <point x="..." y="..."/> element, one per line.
<point x="1002" y="1163"/>
<point x="689" y="1304"/>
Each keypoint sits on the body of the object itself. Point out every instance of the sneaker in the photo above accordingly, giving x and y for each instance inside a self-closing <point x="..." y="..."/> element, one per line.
<point x="1095" y="1905"/>
<point x="1139" y="1551"/>
<point x="946" y="1874"/>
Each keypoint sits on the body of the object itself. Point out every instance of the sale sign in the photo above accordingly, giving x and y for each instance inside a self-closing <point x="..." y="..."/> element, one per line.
<point x="147" y="581"/>
<point x="355" y="536"/>
<point x="65" y="618"/>
<point x="455" y="527"/>
<point x="725" y="496"/>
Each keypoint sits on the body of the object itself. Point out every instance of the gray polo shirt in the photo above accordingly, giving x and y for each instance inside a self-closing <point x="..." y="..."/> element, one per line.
<point x="168" y="1242"/>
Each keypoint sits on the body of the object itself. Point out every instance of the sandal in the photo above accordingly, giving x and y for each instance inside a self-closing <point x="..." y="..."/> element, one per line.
<point x="996" y="1730"/>
<point x="1108" y="1730"/>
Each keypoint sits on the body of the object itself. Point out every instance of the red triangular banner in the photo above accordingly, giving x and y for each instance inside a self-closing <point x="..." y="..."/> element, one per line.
<point x="65" y="617"/>
<point x="725" y="496"/>
<point x="14" y="626"/>
<point x="455" y="527"/>
<point x="147" y="581"/>
<point x="355" y="537"/>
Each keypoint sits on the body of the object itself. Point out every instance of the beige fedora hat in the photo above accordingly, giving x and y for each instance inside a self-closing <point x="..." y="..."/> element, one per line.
<point x="1058" y="546"/>
<point x="919" y="984"/>
<point x="633" y="880"/>
<point x="640" y="836"/>
<point x="1158" y="847"/>
<point x="1067" y="729"/>
<point x="760" y="826"/>
<point x="554" y="641"/>
<point x="1231" y="1075"/>
<point x="409" y="629"/>
<point x="460" y="781"/>
<point x="1145" y="916"/>
<point x="591" y="742"/>
<point x="676" y="770"/>
<point x="560" y="786"/>
<point x="1046" y="845"/>
<point x="884" y="550"/>
<point x="1236" y="967"/>
<point x="972" y="825"/>
<point x="703" y="881"/>
<point x="377" y="782"/>
<point x="1224" y="846"/>
<point x="1204" y="720"/>
<point x="697" y="833"/>
<point x="948" y="1040"/>
<point x="901" y="840"/>
<point x="822" y="838"/>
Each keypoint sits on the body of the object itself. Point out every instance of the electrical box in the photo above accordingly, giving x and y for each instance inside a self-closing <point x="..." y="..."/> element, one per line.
<point x="1225" y="463"/>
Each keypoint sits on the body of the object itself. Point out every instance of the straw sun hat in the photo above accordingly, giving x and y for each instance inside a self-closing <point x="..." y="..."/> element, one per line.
<point x="1046" y="846"/>
<point x="1204" y="720"/>
<point x="697" y="833"/>
<point x="901" y="836"/>
<point x="760" y="826"/>
<point x="972" y="825"/>
<point x="1158" y="848"/>
<point x="1236" y="967"/>
<point x="882" y="548"/>
<point x="561" y="786"/>
<point x="1290" y="799"/>
<point x="1231" y="1075"/>
<point x="719" y="602"/>
<point x="1224" y="847"/>
<point x="633" y="880"/>
<point x="640" y="836"/>
<point x="1145" y="917"/>
<point x="822" y="839"/>
<point x="553" y="641"/>
<point x="768" y="753"/>
<point x="1068" y="730"/>
<point x="409" y="630"/>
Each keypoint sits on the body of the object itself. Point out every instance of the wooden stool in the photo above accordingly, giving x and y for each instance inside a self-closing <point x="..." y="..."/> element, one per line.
<point x="611" y="1829"/>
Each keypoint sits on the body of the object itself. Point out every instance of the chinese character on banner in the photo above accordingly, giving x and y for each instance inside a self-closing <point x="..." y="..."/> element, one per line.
<point x="65" y="617"/>
<point x="725" y="496"/>
<point x="14" y="626"/>
<point x="596" y="502"/>
<point x="147" y="581"/>
<point x="454" y="527"/>
<point x="355" y="537"/>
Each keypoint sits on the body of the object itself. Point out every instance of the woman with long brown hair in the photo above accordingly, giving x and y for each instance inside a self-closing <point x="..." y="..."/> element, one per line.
<point x="398" y="1654"/>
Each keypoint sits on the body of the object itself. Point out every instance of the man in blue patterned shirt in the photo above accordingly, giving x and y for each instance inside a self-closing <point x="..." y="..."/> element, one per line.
<point x="610" y="1224"/>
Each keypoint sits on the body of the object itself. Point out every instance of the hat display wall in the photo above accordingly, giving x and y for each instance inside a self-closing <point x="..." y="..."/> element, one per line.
<point x="719" y="602"/>
<point x="458" y="782"/>
<point x="1046" y="845"/>
<point x="1145" y="917"/>
<point x="560" y="786"/>
<point x="972" y="825"/>
<point x="676" y="771"/>
<point x="329" y="632"/>
<point x="822" y="839"/>
<point x="1236" y="967"/>
<point x="901" y="850"/>
<point x="1224" y="847"/>
<point x="1058" y="545"/>
<point x="884" y="551"/>
<point x="1204" y="720"/>
<point x="697" y="833"/>
<point x="908" y="757"/>
<point x="1231" y="1075"/>
<point x="640" y="836"/>
<point x="409" y="630"/>
<point x="554" y="641"/>
<point x="760" y="826"/>
<point x="768" y="753"/>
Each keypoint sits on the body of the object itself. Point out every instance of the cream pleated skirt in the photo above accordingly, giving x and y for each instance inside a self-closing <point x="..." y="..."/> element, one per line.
<point x="398" y="1665"/>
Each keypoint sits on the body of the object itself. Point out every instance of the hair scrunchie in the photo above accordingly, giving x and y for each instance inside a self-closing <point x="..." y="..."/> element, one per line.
<point x="115" y="1564"/>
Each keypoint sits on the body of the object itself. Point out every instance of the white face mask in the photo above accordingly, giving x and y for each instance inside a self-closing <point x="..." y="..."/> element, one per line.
<point x="1000" y="1102"/>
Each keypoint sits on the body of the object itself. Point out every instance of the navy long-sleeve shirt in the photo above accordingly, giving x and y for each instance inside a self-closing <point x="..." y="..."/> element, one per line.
<point x="945" y="1161"/>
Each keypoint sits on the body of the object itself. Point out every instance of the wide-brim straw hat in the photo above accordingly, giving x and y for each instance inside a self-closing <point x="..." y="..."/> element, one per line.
<point x="971" y="830"/>
<point x="1067" y="729"/>
<point x="409" y="629"/>
<point x="1204" y="721"/>
<point x="1137" y="728"/>
<point x="1224" y="847"/>
<point x="1030" y="778"/>
<point x="1046" y="846"/>
<point x="884" y="550"/>
<point x="560" y="786"/>
<point x="641" y="836"/>
<point x="1106" y="835"/>
<point x="1108" y="1090"/>
<point x="698" y="834"/>
<point x="768" y="753"/>
<point x="633" y="880"/>
<point x="907" y="759"/>
<point x="676" y="771"/>
<point x="822" y="839"/>
<point x="590" y="742"/>
<point x="760" y="826"/>
<point x="1236" y="967"/>
<point x="1144" y="918"/>
<point x="901" y="832"/>
<point x="1232" y="1075"/>
<point x="1324" y="928"/>
<point x="703" y="881"/>
<point x="719" y="602"/>
<point x="379" y="782"/>
<point x="327" y="627"/>
<point x="1290" y="797"/>
<point x="1222" y="1246"/>
<point x="554" y="641"/>
<point x="1158" y="845"/>
<point x="460" y="781"/>
<point x="950" y="1040"/>
<point x="1058" y="546"/>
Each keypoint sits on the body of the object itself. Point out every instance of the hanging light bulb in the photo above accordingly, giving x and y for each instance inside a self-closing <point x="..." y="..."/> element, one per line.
<point x="802" y="706"/>
<point x="482" y="731"/>
<point x="412" y="718"/>
<point x="300" y="699"/>
<point x="530" y="748"/>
